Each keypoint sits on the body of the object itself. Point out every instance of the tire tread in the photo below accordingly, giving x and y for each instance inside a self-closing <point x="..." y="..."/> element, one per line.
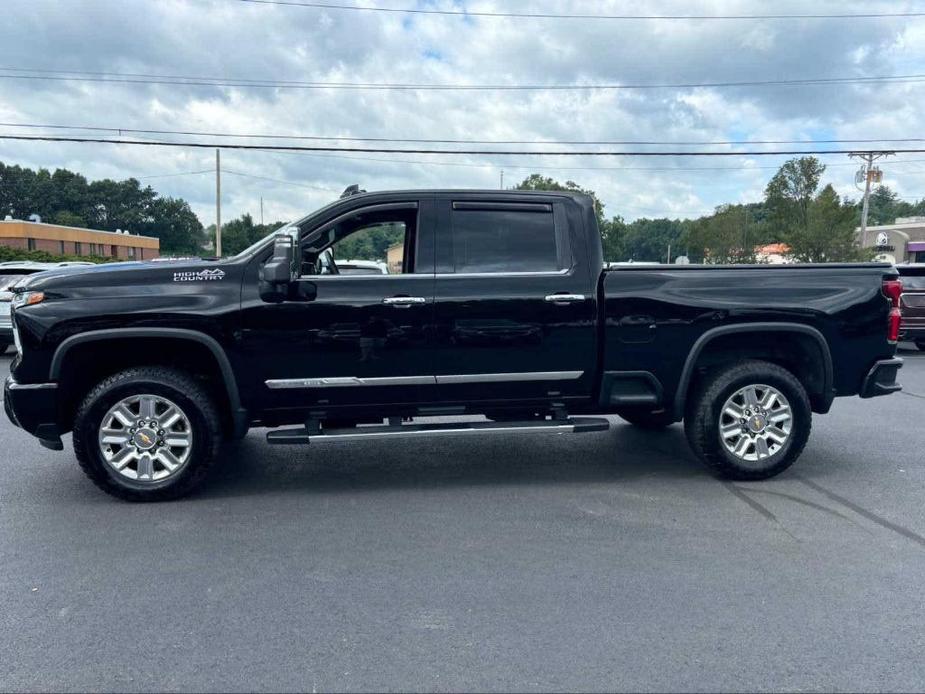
<point x="173" y="378"/>
<point x="699" y="425"/>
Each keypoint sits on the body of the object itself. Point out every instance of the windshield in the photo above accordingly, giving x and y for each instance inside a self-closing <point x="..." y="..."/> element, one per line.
<point x="10" y="277"/>
<point x="910" y="282"/>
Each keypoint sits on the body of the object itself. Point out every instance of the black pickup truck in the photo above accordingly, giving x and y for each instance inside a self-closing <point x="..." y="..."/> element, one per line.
<point x="496" y="303"/>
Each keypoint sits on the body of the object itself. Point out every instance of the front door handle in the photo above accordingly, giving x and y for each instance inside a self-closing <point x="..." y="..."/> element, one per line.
<point x="404" y="300"/>
<point x="565" y="298"/>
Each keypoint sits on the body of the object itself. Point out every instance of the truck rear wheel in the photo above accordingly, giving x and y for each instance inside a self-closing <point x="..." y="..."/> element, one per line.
<point x="749" y="421"/>
<point x="920" y="344"/>
<point x="147" y="434"/>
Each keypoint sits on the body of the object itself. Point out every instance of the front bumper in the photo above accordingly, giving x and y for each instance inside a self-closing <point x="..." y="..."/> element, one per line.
<point x="881" y="379"/>
<point x="34" y="407"/>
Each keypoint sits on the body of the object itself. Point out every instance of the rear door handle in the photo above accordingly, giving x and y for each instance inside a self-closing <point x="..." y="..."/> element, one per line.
<point x="404" y="300"/>
<point x="565" y="298"/>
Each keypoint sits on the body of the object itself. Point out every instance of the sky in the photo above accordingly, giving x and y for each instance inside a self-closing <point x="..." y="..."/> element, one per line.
<point x="256" y="41"/>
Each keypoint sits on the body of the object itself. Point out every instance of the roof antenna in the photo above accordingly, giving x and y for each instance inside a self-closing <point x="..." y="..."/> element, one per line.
<point x="351" y="190"/>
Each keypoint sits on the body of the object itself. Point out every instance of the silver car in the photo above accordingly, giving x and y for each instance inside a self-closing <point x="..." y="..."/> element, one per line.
<point x="10" y="273"/>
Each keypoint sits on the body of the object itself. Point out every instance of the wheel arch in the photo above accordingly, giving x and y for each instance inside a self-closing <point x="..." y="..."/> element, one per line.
<point x="237" y="415"/>
<point x="821" y="396"/>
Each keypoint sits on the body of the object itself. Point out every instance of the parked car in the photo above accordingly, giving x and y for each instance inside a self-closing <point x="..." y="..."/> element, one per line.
<point x="152" y="366"/>
<point x="362" y="267"/>
<point x="913" y="304"/>
<point x="10" y="273"/>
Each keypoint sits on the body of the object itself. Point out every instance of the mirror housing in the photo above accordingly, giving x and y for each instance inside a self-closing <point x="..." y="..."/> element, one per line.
<point x="281" y="270"/>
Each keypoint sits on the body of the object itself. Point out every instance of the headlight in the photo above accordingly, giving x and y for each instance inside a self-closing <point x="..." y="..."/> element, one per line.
<point x="27" y="299"/>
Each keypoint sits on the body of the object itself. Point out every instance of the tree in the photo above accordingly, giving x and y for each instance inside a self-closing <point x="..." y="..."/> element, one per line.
<point x="613" y="239"/>
<point x="176" y="225"/>
<point x="540" y="182"/>
<point x="649" y="239"/>
<point x="723" y="237"/>
<point x="239" y="233"/>
<point x="790" y="192"/>
<point x="829" y="235"/>
<point x="67" y="198"/>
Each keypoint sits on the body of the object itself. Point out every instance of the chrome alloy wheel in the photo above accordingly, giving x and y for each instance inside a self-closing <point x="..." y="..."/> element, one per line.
<point x="146" y="438"/>
<point x="755" y="422"/>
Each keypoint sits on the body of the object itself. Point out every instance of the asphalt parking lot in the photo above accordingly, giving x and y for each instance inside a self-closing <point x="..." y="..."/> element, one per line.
<point x="595" y="562"/>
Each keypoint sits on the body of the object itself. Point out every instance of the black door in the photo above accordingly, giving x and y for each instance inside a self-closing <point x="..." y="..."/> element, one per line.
<point x="515" y="311"/>
<point x="365" y="339"/>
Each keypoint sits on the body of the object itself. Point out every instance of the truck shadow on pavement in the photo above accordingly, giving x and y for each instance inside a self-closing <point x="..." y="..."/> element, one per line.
<point x="624" y="453"/>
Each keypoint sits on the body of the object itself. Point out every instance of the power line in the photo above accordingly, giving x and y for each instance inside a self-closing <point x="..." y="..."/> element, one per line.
<point x="549" y="15"/>
<point x="339" y="138"/>
<point x="181" y="173"/>
<point x="391" y="150"/>
<point x="194" y="81"/>
<point x="559" y="168"/>
<point x="280" y="180"/>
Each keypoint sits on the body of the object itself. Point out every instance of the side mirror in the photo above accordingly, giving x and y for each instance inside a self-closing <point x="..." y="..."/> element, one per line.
<point x="280" y="271"/>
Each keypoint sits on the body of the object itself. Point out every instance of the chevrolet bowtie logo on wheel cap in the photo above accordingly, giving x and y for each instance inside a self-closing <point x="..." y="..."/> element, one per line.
<point x="206" y="275"/>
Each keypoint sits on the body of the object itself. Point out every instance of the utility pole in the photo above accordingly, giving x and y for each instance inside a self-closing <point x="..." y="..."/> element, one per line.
<point x="502" y="179"/>
<point x="669" y="253"/>
<point x="869" y="174"/>
<point x="218" y="203"/>
<point x="261" y="210"/>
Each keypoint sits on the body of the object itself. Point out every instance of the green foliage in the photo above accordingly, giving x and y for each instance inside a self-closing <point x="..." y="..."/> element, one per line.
<point x="240" y="233"/>
<point x="791" y="190"/>
<point x="829" y="234"/>
<point x="723" y="237"/>
<point x="540" y="182"/>
<point x="647" y="240"/>
<point x="370" y="243"/>
<point x="65" y="197"/>
<point x="8" y="254"/>
<point x="818" y="227"/>
<point x="613" y="239"/>
<point x="885" y="206"/>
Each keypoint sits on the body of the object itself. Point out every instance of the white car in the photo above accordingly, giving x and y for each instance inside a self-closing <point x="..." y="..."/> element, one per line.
<point x="361" y="267"/>
<point x="10" y="273"/>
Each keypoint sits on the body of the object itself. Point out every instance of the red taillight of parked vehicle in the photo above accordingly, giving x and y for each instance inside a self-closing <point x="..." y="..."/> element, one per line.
<point x="893" y="289"/>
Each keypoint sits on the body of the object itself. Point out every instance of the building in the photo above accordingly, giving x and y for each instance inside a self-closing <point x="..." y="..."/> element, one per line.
<point x="774" y="254"/>
<point x="395" y="256"/>
<point x="61" y="240"/>
<point x="901" y="242"/>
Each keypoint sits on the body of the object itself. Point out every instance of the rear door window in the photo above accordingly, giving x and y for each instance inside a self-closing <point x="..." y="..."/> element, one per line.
<point x="502" y="238"/>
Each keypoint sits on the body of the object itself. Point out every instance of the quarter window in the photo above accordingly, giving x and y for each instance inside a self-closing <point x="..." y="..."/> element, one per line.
<point x="496" y="239"/>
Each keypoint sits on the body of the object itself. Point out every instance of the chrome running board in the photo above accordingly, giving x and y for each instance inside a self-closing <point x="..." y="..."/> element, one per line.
<point x="573" y="425"/>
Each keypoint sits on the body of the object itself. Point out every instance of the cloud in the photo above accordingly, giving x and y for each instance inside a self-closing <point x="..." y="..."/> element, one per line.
<point x="223" y="38"/>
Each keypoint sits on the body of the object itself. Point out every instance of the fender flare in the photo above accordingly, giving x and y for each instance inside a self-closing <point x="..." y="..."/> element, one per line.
<point x="231" y="385"/>
<point x="763" y="327"/>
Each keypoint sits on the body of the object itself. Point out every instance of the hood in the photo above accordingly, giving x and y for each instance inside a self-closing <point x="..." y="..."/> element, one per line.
<point x="126" y="274"/>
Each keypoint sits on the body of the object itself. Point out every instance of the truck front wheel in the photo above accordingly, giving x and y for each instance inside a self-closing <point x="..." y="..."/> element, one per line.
<point x="147" y="434"/>
<point x="749" y="421"/>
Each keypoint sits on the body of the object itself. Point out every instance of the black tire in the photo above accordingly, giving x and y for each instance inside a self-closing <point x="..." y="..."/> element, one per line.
<point x="647" y="419"/>
<point x="4" y="346"/>
<point x="178" y="387"/>
<point x="702" y="419"/>
<point x="920" y="344"/>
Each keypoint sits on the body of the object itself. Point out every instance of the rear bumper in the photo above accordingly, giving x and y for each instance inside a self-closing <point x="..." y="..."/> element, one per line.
<point x="881" y="379"/>
<point x="34" y="408"/>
